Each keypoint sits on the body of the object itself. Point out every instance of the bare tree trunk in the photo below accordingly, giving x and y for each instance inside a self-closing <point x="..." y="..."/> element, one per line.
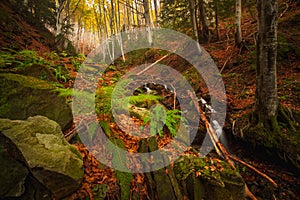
<point x="104" y="19"/>
<point x="156" y="13"/>
<point x="137" y="13"/>
<point x="266" y="101"/>
<point x="238" y="16"/>
<point x="192" y="6"/>
<point x="126" y="17"/>
<point x="205" y="30"/>
<point x="147" y="13"/>
<point x="217" y="18"/>
<point x="59" y="17"/>
<point x="112" y="18"/>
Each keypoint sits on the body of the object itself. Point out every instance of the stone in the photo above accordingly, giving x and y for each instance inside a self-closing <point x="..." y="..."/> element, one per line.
<point x="212" y="183"/>
<point x="50" y="158"/>
<point x="25" y="96"/>
<point x="12" y="171"/>
<point x="38" y="71"/>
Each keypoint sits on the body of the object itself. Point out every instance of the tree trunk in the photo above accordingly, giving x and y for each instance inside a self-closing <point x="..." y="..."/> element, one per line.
<point x="59" y="17"/>
<point x="112" y="18"/>
<point x="266" y="100"/>
<point x="217" y="19"/>
<point x="238" y="16"/>
<point x="156" y="13"/>
<point x="137" y="14"/>
<point x="147" y="13"/>
<point x="192" y="6"/>
<point x="205" y="29"/>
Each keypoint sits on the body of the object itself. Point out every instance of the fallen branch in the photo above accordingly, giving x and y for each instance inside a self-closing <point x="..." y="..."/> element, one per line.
<point x="225" y="63"/>
<point x="148" y="67"/>
<point x="219" y="147"/>
<point x="255" y="170"/>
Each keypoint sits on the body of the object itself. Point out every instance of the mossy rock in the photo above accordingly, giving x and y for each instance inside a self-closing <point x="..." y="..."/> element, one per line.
<point x="50" y="158"/>
<point x="12" y="171"/>
<point x="25" y="96"/>
<point x="38" y="71"/>
<point x="16" y="180"/>
<point x="212" y="183"/>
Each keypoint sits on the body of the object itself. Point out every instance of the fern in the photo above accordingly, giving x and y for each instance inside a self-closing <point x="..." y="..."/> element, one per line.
<point x="87" y="100"/>
<point x="159" y="117"/>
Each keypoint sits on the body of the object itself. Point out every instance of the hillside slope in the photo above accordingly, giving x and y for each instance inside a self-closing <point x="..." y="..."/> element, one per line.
<point x="19" y="32"/>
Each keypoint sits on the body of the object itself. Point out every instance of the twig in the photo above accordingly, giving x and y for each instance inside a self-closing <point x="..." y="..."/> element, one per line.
<point x="147" y="68"/>
<point x="225" y="63"/>
<point x="286" y="8"/>
<point x="254" y="169"/>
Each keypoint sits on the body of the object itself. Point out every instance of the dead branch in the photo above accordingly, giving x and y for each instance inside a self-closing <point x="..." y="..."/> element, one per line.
<point x="225" y="63"/>
<point x="255" y="170"/>
<point x="285" y="10"/>
<point x="148" y="67"/>
<point x="228" y="157"/>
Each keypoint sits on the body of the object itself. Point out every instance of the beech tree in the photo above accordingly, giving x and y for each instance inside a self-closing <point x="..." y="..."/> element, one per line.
<point x="216" y="5"/>
<point x="238" y="16"/>
<point x="266" y="100"/>
<point x="205" y="29"/>
<point x="192" y="7"/>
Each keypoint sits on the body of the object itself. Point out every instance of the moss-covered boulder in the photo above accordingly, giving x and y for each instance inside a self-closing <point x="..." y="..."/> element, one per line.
<point x="25" y="96"/>
<point x="49" y="157"/>
<point x="38" y="71"/>
<point x="208" y="178"/>
<point x="12" y="171"/>
<point x="159" y="183"/>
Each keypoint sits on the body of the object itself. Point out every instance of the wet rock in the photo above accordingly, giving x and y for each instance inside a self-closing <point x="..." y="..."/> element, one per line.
<point x="25" y="96"/>
<point x="52" y="161"/>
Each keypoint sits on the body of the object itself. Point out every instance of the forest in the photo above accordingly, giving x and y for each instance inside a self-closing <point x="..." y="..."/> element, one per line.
<point x="149" y="99"/>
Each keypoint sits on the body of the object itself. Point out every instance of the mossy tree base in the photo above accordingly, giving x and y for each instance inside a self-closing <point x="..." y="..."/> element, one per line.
<point x="280" y="134"/>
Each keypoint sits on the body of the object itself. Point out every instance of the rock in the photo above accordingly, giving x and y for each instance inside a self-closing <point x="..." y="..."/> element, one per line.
<point x="12" y="172"/>
<point x="159" y="183"/>
<point x="212" y="183"/>
<point x="22" y="97"/>
<point x="16" y="181"/>
<point x="50" y="158"/>
<point x="38" y="71"/>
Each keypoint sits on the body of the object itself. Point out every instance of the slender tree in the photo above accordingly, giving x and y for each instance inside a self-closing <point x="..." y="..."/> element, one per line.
<point x="205" y="30"/>
<point x="216" y="5"/>
<point x="147" y="13"/>
<point x="266" y="100"/>
<point x="238" y="16"/>
<point x="156" y="12"/>
<point x="192" y="6"/>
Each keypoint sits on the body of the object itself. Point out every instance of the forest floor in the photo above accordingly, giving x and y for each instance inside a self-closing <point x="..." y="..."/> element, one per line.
<point x="237" y="67"/>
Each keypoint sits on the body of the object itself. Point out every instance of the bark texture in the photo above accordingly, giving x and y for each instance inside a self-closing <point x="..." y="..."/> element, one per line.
<point x="238" y="16"/>
<point x="266" y="100"/>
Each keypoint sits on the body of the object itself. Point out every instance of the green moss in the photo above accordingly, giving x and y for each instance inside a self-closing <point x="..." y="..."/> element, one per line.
<point x="217" y="177"/>
<point x="28" y="81"/>
<point x="103" y="99"/>
<point x="280" y="135"/>
<point x="105" y="126"/>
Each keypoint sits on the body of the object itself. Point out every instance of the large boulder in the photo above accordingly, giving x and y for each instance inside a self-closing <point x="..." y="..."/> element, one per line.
<point x="52" y="161"/>
<point x="209" y="178"/>
<point x="12" y="171"/>
<point x="38" y="71"/>
<point x="25" y="96"/>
